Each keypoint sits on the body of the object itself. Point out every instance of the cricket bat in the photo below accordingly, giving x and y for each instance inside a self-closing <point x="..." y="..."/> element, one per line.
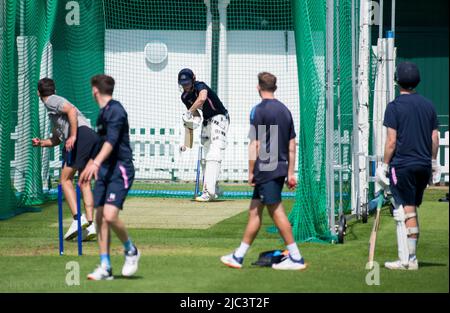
<point x="373" y="235"/>
<point x="188" y="137"/>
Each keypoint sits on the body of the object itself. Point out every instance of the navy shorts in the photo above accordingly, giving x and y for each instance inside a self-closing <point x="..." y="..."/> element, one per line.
<point x="85" y="148"/>
<point x="408" y="184"/>
<point x="269" y="192"/>
<point x="113" y="184"/>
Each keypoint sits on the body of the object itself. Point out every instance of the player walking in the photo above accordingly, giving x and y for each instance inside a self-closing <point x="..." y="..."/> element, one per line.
<point x="198" y="96"/>
<point x="412" y="143"/>
<point x="80" y="143"/>
<point x="114" y="173"/>
<point x="272" y="153"/>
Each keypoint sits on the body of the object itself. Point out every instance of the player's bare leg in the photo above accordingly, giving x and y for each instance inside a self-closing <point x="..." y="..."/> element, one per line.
<point x="254" y="222"/>
<point x="67" y="174"/>
<point x="276" y="212"/>
<point x="70" y="195"/>
<point x="88" y="198"/>
<point x="132" y="255"/>
<point x="103" y="232"/>
<point x="295" y="260"/>
<point x="111" y="216"/>
<point x="90" y="232"/>
<point x="236" y="258"/>
<point x="103" y="271"/>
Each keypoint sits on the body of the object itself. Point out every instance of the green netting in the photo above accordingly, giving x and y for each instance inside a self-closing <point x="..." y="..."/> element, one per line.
<point x="7" y="37"/>
<point x="143" y="45"/>
<point x="26" y="27"/>
<point x="309" y="215"/>
<point x="343" y="103"/>
<point x="58" y="39"/>
<point x="226" y="43"/>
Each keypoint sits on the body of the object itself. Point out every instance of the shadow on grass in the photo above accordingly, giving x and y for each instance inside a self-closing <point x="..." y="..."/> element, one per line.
<point x="431" y="264"/>
<point x="120" y="277"/>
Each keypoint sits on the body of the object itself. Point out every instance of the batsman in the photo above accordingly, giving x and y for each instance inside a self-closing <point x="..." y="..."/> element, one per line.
<point x="198" y="96"/>
<point x="412" y="143"/>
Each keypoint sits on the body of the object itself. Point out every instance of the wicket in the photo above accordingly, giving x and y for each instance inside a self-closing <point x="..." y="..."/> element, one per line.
<point x="60" y="220"/>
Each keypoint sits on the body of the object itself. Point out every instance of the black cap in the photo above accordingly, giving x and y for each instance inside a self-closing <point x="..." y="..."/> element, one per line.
<point x="407" y="75"/>
<point x="185" y="76"/>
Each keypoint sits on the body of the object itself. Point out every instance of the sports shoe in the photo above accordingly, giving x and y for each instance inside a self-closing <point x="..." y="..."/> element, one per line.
<point x="204" y="198"/>
<point x="73" y="229"/>
<point x="131" y="262"/>
<point x="90" y="233"/>
<point x="413" y="265"/>
<point x="290" y="264"/>
<point x="101" y="273"/>
<point x="231" y="260"/>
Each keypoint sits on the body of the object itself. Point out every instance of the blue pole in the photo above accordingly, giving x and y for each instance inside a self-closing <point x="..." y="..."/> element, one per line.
<point x="197" y="179"/>
<point x="60" y="220"/>
<point x="80" y="231"/>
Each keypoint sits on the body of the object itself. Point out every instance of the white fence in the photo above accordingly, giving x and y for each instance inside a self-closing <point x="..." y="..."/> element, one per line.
<point x="443" y="156"/>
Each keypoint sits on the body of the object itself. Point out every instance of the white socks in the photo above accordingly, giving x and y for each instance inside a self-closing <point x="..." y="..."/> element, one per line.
<point x="294" y="252"/>
<point x="242" y="250"/>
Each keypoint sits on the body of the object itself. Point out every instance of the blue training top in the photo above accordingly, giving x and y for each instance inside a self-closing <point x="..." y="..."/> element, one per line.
<point x="212" y="106"/>
<point x="112" y="126"/>
<point x="414" y="118"/>
<point x="272" y="124"/>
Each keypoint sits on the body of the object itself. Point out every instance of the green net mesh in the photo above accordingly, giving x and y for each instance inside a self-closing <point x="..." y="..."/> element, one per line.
<point x="226" y="44"/>
<point x="143" y="45"/>
<point x="309" y="215"/>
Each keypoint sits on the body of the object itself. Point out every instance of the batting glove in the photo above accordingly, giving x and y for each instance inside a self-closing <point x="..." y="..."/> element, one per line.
<point x="187" y="116"/>
<point x="435" y="172"/>
<point x="381" y="175"/>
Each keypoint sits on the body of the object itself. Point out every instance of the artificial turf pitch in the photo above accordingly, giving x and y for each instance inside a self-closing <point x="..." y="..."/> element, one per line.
<point x="187" y="260"/>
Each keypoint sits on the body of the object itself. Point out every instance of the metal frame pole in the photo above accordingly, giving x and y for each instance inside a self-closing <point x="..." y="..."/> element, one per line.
<point x="355" y="144"/>
<point x="330" y="112"/>
<point x="380" y="26"/>
<point x="338" y="94"/>
<point x="393" y="17"/>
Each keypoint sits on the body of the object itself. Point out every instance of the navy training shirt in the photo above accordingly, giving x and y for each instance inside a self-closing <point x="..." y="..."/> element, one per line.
<point x="273" y="155"/>
<point x="414" y="118"/>
<point x="112" y="126"/>
<point x="212" y="106"/>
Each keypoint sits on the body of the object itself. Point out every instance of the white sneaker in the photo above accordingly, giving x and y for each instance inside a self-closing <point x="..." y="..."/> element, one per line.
<point x="204" y="198"/>
<point x="290" y="264"/>
<point x="101" y="273"/>
<point x="413" y="265"/>
<point x="90" y="233"/>
<point x="73" y="229"/>
<point x="231" y="260"/>
<point x="130" y="266"/>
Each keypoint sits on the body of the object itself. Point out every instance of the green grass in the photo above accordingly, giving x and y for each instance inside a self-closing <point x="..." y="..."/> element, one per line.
<point x="188" y="260"/>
